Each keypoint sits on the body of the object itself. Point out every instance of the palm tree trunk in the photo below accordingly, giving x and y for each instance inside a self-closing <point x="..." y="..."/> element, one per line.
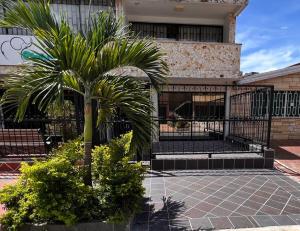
<point x="88" y="136"/>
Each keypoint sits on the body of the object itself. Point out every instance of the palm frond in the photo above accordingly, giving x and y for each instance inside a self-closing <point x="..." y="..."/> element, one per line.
<point x="132" y="99"/>
<point x="32" y="15"/>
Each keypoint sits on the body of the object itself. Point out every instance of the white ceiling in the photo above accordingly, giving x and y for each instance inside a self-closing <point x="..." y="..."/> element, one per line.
<point x="167" y="8"/>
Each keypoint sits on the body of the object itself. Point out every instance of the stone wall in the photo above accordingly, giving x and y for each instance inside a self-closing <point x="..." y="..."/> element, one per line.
<point x="284" y="128"/>
<point x="202" y="60"/>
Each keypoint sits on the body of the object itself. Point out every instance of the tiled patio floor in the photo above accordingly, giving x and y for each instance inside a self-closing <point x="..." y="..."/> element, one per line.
<point x="207" y="200"/>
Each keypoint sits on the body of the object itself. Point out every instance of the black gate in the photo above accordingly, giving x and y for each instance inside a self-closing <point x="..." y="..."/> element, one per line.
<point x="212" y="119"/>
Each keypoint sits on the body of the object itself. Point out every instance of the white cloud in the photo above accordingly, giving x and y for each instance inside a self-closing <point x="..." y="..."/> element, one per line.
<point x="253" y="38"/>
<point x="270" y="59"/>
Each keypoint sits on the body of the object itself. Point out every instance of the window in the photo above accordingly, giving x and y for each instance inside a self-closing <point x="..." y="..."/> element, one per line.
<point x="201" y="33"/>
<point x="286" y="104"/>
<point x="76" y="12"/>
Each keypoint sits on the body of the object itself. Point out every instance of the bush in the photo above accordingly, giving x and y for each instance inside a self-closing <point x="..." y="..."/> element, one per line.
<point x="119" y="182"/>
<point x="51" y="191"/>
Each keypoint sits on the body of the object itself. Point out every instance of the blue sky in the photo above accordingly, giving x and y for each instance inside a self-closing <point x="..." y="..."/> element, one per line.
<point x="270" y="33"/>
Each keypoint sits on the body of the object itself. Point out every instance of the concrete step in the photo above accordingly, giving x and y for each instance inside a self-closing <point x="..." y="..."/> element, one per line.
<point x="215" y="163"/>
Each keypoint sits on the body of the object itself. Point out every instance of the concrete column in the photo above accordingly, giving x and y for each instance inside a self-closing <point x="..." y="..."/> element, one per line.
<point x="227" y="112"/>
<point x="229" y="28"/>
<point x="154" y="100"/>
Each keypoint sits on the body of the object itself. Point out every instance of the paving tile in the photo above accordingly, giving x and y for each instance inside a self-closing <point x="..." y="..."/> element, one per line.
<point x="264" y="221"/>
<point x="262" y="194"/>
<point x="283" y="220"/>
<point x="255" y="224"/>
<point x="291" y="210"/>
<point x="199" y="195"/>
<point x="279" y="199"/>
<point x="201" y="224"/>
<point x="204" y="206"/>
<point x="229" y="205"/>
<point x="190" y="202"/>
<point x="220" y="212"/>
<point x="221" y="223"/>
<point x="269" y="210"/>
<point x="236" y="199"/>
<point x="275" y="204"/>
<point x="245" y="211"/>
<point x="258" y="199"/>
<point x="241" y="222"/>
<point x="295" y="218"/>
<point x="195" y="213"/>
<point x="242" y="194"/>
<point x="213" y="200"/>
<point x="248" y="189"/>
<point x="253" y="205"/>
<point x="220" y="195"/>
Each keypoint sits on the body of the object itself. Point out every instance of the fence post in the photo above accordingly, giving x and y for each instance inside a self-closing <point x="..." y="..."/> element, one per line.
<point x="227" y="112"/>
<point x="270" y="116"/>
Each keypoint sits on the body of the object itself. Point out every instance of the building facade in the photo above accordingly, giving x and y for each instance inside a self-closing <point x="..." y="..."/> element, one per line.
<point x="200" y="110"/>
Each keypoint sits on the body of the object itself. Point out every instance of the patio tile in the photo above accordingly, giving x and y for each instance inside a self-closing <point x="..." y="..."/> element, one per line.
<point x="284" y="220"/>
<point x="229" y="205"/>
<point x="199" y="195"/>
<point x="204" y="206"/>
<point x="275" y="204"/>
<point x="279" y="199"/>
<point x="221" y="223"/>
<point x="242" y="194"/>
<point x="248" y="189"/>
<point x="201" y="224"/>
<point x="190" y="202"/>
<point x="220" y="195"/>
<point x="264" y="221"/>
<point x="258" y="199"/>
<point x="195" y="213"/>
<point x="262" y="194"/>
<point x="252" y="205"/>
<point x="295" y="218"/>
<point x="269" y="210"/>
<point x="213" y="200"/>
<point x="220" y="212"/>
<point x="245" y="211"/>
<point x="291" y="210"/>
<point x="235" y="199"/>
<point x="241" y="222"/>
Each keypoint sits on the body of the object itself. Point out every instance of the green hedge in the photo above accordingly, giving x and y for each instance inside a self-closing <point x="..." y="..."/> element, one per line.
<point x="52" y="191"/>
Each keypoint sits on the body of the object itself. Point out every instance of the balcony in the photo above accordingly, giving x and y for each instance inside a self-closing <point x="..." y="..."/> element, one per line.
<point x="202" y="60"/>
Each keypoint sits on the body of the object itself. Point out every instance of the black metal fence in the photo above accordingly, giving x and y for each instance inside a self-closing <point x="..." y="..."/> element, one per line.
<point x="191" y="119"/>
<point x="212" y="119"/>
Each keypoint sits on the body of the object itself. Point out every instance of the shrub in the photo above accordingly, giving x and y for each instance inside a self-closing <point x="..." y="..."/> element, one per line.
<point x="119" y="182"/>
<point x="53" y="191"/>
<point x="50" y="191"/>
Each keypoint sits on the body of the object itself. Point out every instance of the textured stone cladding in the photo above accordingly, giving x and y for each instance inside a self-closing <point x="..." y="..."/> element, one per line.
<point x="202" y="60"/>
<point x="284" y="128"/>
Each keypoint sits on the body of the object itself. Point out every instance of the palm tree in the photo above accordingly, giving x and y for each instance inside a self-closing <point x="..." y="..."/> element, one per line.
<point x="89" y="63"/>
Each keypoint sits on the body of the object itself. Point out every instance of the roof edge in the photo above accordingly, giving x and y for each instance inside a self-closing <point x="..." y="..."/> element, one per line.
<point x="270" y="75"/>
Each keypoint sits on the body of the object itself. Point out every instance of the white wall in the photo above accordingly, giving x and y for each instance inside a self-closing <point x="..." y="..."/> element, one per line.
<point x="11" y="47"/>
